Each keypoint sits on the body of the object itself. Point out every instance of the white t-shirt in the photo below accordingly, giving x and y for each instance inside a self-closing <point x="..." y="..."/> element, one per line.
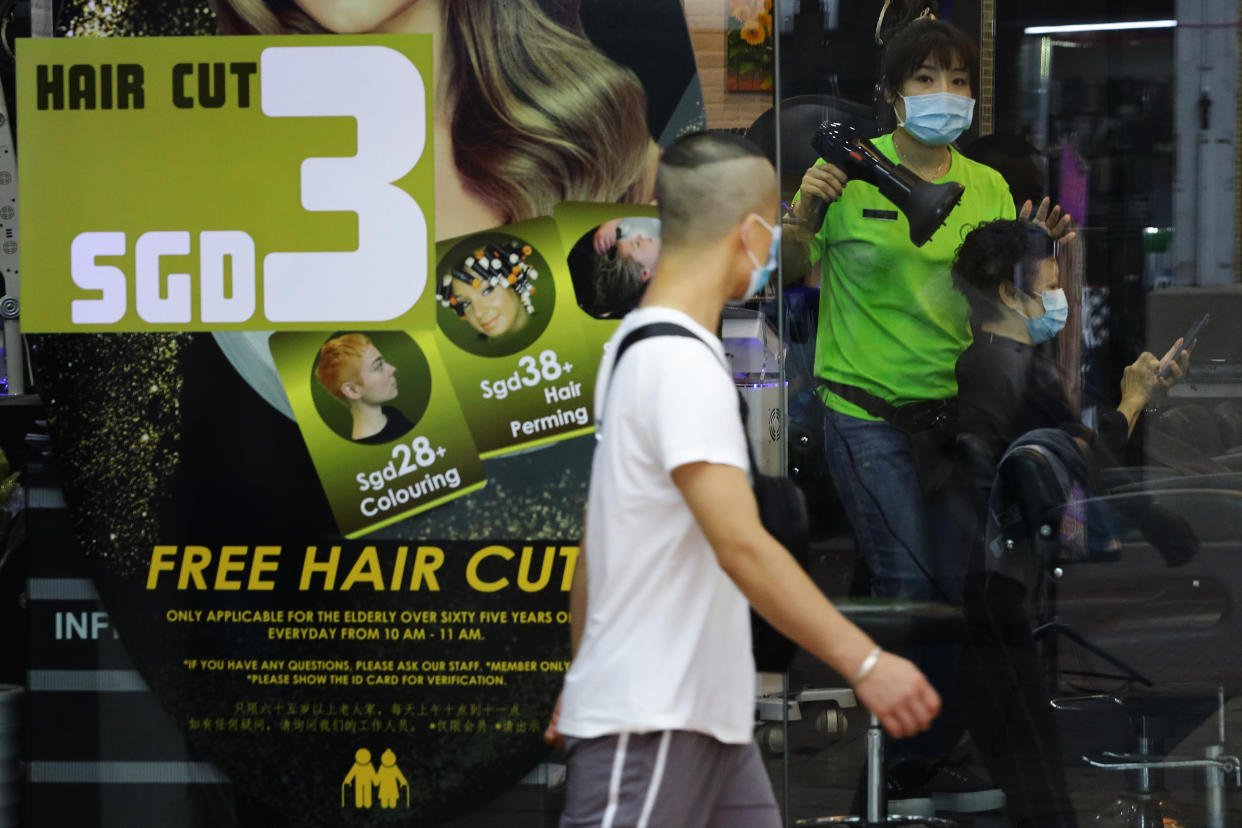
<point x="666" y="644"/>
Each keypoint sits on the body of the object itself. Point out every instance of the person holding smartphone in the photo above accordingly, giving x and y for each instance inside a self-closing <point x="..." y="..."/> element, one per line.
<point x="1007" y="387"/>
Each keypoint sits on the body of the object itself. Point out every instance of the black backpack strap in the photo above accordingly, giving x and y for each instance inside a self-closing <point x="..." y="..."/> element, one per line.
<point x="646" y="332"/>
<point x="672" y="329"/>
<point x="637" y="335"/>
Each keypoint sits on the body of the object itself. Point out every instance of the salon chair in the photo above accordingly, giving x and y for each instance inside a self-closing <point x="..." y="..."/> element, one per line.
<point x="1146" y="624"/>
<point x="1231" y="460"/>
<point x="1190" y="440"/>
<point x="1228" y="481"/>
<point x="1194" y="425"/>
<point x="894" y="624"/>
<point x="1228" y="416"/>
<point x="800" y="116"/>
<point x="1116" y="476"/>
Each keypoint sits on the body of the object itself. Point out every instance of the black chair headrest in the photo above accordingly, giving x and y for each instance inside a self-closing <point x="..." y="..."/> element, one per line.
<point x="1029" y="479"/>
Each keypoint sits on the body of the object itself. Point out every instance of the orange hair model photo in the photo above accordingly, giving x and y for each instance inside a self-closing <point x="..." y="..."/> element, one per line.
<point x="354" y="371"/>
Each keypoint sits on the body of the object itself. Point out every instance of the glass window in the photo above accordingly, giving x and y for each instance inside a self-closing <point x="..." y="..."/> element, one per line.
<point x="1088" y="369"/>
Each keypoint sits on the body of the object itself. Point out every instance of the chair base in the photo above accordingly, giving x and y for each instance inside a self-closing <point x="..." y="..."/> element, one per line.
<point x="895" y="819"/>
<point x="1139" y="811"/>
<point x="877" y="816"/>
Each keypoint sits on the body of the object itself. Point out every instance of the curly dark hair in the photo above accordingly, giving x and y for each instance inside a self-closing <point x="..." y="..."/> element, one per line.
<point x="988" y="257"/>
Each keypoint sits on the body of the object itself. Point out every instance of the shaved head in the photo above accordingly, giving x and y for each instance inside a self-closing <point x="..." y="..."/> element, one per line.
<point x="707" y="183"/>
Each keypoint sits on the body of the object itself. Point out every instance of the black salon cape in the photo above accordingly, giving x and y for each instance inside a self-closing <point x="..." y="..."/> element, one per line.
<point x="1006" y="388"/>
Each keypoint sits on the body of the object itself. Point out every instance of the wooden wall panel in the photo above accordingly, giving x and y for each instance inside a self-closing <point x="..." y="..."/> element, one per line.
<point x="725" y="110"/>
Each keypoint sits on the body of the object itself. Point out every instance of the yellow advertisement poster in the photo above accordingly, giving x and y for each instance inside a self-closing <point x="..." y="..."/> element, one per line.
<point x="225" y="183"/>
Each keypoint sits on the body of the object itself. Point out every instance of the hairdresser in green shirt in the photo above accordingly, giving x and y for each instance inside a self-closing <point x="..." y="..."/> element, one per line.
<point x="892" y="325"/>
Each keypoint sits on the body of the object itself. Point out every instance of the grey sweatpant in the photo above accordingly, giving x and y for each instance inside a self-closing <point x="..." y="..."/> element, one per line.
<point x="669" y="779"/>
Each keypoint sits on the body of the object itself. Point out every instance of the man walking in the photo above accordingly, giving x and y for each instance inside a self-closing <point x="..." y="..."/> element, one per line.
<point x="657" y="710"/>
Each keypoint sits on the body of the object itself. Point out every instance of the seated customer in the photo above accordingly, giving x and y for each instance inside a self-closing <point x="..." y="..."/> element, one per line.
<point x="1007" y="384"/>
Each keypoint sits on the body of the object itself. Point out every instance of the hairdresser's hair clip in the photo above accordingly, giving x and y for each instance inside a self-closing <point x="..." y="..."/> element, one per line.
<point x="882" y="35"/>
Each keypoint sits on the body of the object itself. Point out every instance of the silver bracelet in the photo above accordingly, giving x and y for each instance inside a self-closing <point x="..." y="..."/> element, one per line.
<point x="868" y="664"/>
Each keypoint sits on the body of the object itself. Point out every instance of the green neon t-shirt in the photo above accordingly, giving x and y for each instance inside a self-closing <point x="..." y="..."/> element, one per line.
<point x="890" y="320"/>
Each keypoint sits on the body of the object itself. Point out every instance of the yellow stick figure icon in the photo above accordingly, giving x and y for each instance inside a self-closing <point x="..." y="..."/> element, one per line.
<point x="363" y="777"/>
<point x="390" y="781"/>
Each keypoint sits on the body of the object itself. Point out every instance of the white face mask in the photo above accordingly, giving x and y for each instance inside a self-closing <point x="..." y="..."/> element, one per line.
<point x="938" y="118"/>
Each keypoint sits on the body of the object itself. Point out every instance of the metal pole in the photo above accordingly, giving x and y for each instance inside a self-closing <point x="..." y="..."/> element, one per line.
<point x="1214" y="781"/>
<point x="14" y="357"/>
<point x="41" y="25"/>
<point x="785" y="746"/>
<point x="1237" y="161"/>
<point x="782" y="444"/>
<point x="876" y="806"/>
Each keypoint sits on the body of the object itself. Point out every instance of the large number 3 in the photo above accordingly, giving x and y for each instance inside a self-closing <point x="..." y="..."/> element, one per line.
<point x="384" y="92"/>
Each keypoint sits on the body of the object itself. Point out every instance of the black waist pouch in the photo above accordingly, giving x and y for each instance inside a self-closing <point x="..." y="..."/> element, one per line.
<point x="931" y="426"/>
<point x="932" y="429"/>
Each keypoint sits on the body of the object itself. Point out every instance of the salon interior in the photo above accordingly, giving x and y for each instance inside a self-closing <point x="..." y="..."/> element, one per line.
<point x="1116" y="659"/>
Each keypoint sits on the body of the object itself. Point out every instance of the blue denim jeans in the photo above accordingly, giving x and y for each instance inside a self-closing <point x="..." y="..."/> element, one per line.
<point x="916" y="546"/>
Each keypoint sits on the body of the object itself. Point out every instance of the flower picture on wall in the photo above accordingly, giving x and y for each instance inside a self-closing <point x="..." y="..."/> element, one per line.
<point x="749" y="46"/>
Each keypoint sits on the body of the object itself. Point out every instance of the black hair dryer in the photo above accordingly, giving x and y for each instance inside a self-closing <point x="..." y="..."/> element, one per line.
<point x="926" y="205"/>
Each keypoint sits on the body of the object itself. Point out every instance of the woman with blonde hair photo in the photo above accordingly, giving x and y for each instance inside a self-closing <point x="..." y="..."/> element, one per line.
<point x="529" y="112"/>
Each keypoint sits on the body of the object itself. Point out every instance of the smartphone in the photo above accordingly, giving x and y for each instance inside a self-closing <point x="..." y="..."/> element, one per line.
<point x="1188" y="341"/>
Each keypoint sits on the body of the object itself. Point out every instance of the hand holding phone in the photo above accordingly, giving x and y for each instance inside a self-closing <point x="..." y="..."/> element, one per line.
<point x="1181" y="346"/>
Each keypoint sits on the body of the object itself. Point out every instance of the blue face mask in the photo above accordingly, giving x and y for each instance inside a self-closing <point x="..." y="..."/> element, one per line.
<point x="763" y="272"/>
<point x="1056" y="311"/>
<point x="938" y="118"/>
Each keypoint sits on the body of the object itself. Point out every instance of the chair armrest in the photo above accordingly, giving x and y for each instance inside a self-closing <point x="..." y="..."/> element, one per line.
<point x="1227" y="481"/>
<point x="1213" y="514"/>
<point x="899" y="622"/>
<point x="1124" y="475"/>
<point x="1231" y="459"/>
